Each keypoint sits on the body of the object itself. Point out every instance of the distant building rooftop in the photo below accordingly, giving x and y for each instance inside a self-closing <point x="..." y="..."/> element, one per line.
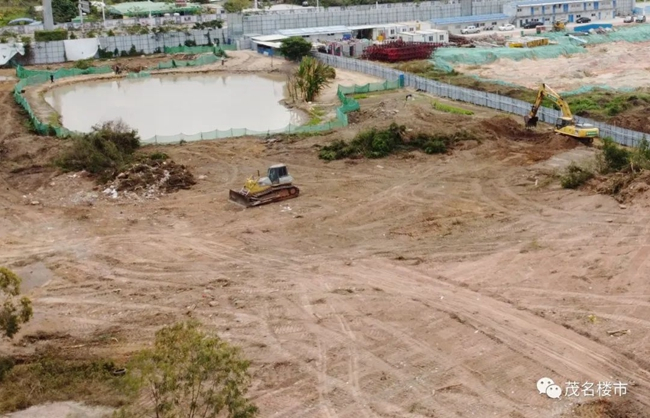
<point x="525" y="3"/>
<point x="143" y="8"/>
<point x="470" y="19"/>
<point x="323" y="30"/>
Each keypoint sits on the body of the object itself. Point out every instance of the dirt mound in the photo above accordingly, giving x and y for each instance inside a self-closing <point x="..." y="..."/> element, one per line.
<point x="152" y="178"/>
<point x="624" y="187"/>
<point x="508" y="128"/>
<point x="636" y="120"/>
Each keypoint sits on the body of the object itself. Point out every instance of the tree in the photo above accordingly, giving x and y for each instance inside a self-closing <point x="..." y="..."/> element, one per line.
<point x="191" y="374"/>
<point x="64" y="10"/>
<point x="311" y="78"/>
<point x="11" y="315"/>
<point x="294" y="48"/>
<point x="236" y="6"/>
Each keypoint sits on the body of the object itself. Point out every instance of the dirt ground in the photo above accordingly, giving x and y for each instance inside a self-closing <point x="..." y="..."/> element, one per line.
<point x="615" y="65"/>
<point x="410" y="286"/>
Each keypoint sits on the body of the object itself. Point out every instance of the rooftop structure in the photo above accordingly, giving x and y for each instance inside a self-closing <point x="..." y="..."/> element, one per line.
<point x="323" y="30"/>
<point x="470" y="19"/>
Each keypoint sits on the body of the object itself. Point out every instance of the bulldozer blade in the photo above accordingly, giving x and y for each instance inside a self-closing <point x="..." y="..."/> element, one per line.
<point x="240" y="199"/>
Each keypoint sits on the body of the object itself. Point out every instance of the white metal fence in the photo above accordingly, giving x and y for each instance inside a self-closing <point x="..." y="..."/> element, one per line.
<point x="506" y="104"/>
<point x="53" y="52"/>
<point x="269" y="22"/>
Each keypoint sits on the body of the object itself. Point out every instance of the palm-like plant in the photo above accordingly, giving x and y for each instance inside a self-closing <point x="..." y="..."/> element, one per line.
<point x="312" y="77"/>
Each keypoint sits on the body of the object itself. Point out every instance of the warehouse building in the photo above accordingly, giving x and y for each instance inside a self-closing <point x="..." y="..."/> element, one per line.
<point x="386" y="31"/>
<point x="325" y="33"/>
<point x="549" y="11"/>
<point x="455" y="24"/>
<point x="430" y="35"/>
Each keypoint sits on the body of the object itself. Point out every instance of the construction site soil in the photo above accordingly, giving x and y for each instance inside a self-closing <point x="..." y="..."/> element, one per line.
<point x="410" y="286"/>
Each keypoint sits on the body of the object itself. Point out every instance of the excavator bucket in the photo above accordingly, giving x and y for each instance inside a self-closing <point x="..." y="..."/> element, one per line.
<point x="531" y="122"/>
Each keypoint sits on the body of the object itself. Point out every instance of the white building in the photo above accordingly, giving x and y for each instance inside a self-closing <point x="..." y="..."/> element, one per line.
<point x="386" y="31"/>
<point x="455" y="24"/>
<point x="430" y="35"/>
<point x="324" y="33"/>
<point x="549" y="11"/>
<point x="267" y="44"/>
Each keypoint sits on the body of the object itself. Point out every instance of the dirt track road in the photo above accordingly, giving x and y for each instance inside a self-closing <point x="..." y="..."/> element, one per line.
<point x="431" y="286"/>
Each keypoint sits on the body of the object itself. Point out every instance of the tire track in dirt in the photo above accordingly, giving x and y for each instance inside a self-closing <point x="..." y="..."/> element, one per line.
<point x="598" y="359"/>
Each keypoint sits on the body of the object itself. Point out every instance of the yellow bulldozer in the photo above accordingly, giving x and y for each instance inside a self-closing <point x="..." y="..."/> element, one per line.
<point x="564" y="125"/>
<point x="276" y="186"/>
<point x="558" y="26"/>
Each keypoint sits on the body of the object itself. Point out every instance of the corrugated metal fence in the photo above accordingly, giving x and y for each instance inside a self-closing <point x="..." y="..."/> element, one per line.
<point x="491" y="100"/>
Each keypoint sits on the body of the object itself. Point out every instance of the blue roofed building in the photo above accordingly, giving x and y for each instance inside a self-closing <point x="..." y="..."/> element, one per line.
<point x="455" y="24"/>
<point x="549" y="11"/>
<point x="324" y="33"/>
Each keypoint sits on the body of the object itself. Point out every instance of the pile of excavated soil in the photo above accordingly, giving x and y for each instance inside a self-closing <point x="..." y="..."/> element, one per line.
<point x="624" y="187"/>
<point x="152" y="178"/>
<point x="636" y="120"/>
<point x="605" y="408"/>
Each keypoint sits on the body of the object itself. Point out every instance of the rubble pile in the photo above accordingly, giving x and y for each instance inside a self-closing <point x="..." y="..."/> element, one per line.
<point x="150" y="179"/>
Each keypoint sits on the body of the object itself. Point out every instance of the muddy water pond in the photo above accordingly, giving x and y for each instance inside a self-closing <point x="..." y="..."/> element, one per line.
<point x="170" y="105"/>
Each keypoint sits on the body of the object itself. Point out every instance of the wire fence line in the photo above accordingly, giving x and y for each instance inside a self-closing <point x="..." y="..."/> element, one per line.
<point x="494" y="101"/>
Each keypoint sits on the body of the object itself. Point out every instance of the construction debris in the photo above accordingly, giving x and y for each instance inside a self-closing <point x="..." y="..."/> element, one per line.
<point x="397" y="51"/>
<point x="151" y="178"/>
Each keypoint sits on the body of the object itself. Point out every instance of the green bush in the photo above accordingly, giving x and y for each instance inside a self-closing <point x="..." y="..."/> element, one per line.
<point x="375" y="143"/>
<point x="102" y="152"/>
<point x="614" y="157"/>
<point x="575" y="176"/>
<point x="83" y="64"/>
<point x="50" y="35"/>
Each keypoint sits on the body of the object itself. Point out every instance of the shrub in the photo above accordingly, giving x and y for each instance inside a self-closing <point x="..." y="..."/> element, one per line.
<point x="295" y="48"/>
<point x="615" y="158"/>
<point x="189" y="373"/>
<point x="83" y="64"/>
<point x="380" y="143"/>
<point x="575" y="176"/>
<point x="14" y="312"/>
<point x="102" y="152"/>
<point x="50" y="35"/>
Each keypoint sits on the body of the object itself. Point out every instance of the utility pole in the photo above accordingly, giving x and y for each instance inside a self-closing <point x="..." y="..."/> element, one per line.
<point x="81" y="15"/>
<point x="48" y="20"/>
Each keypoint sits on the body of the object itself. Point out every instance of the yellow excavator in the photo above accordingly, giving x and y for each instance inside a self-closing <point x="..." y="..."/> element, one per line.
<point x="564" y="125"/>
<point x="559" y="26"/>
<point x="276" y="186"/>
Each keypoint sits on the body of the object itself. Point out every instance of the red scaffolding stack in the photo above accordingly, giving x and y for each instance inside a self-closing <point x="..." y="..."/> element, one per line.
<point x="396" y="51"/>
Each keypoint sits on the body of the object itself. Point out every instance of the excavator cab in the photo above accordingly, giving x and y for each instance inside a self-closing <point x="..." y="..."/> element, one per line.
<point x="563" y="122"/>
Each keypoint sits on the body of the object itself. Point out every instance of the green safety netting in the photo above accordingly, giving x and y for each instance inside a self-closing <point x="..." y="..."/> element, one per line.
<point x="22" y="72"/>
<point x="445" y="58"/>
<point x="348" y="104"/>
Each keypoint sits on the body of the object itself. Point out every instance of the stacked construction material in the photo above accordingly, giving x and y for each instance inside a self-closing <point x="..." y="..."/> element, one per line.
<point x="397" y="51"/>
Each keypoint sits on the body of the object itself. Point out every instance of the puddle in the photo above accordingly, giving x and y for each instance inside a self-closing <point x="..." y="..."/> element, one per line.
<point x="170" y="105"/>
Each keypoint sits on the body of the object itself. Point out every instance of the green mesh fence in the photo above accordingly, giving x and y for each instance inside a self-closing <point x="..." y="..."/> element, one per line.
<point x="200" y="61"/>
<point x="445" y="58"/>
<point x="22" y="72"/>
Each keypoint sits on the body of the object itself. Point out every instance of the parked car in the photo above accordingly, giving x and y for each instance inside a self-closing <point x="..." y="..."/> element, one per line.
<point x="470" y="29"/>
<point x="583" y="20"/>
<point x="507" y="27"/>
<point x="628" y="19"/>
<point x="640" y="19"/>
<point x="533" y="24"/>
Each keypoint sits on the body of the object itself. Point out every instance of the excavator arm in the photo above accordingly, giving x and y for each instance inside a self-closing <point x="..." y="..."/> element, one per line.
<point x="545" y="91"/>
